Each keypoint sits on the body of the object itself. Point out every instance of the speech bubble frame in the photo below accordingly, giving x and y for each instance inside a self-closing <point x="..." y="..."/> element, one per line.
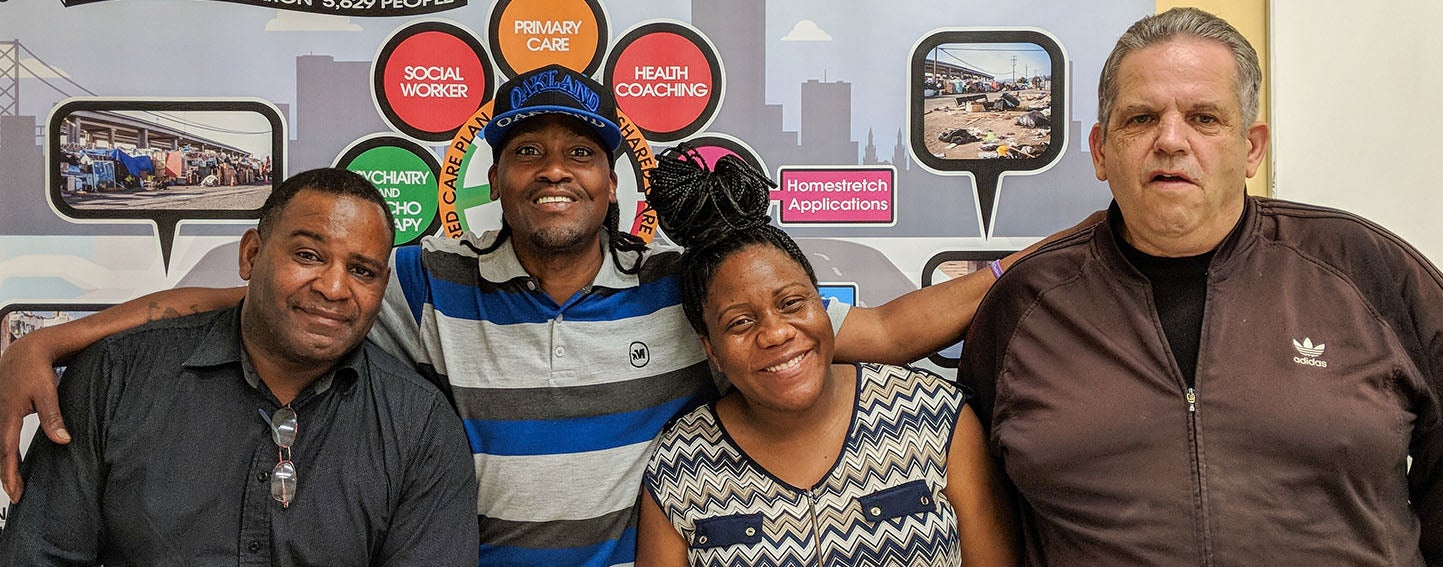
<point x="708" y="51"/>
<point x="987" y="174"/>
<point x="165" y="221"/>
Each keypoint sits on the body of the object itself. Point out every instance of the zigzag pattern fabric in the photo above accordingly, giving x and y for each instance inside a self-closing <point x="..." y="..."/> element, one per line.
<point x="881" y="504"/>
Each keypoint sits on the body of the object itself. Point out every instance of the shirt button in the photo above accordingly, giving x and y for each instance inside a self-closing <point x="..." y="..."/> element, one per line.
<point x="559" y="351"/>
<point x="254" y="546"/>
<point x="261" y="476"/>
<point x="531" y="285"/>
<point x="701" y="540"/>
<point x="751" y="532"/>
<point x="875" y="511"/>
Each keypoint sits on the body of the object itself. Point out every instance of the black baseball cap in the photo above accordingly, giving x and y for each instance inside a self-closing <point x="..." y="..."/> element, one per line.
<point x="553" y="89"/>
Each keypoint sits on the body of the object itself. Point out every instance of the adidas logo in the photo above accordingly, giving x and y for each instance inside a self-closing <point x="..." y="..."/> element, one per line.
<point x="1309" y="352"/>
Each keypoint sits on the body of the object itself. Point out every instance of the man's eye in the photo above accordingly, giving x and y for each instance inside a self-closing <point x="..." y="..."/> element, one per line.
<point x="307" y="256"/>
<point x="1140" y="119"/>
<point x="527" y="150"/>
<point x="582" y="151"/>
<point x="1206" y="119"/>
<point x="363" y="272"/>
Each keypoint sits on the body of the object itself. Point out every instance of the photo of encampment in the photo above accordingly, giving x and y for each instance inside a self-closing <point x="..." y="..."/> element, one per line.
<point x="164" y="159"/>
<point x="986" y="101"/>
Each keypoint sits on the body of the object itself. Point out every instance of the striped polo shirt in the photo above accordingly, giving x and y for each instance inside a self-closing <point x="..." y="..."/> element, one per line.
<point x="561" y="403"/>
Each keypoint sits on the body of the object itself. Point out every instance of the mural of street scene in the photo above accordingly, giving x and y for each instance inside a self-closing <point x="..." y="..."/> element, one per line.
<point x="987" y="101"/>
<point x="164" y="160"/>
<point x="19" y="322"/>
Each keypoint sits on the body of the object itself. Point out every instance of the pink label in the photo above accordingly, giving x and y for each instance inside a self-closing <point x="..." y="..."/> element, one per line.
<point x="851" y="195"/>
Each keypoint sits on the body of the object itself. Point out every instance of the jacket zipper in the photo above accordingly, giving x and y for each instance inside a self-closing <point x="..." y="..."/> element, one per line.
<point x="1190" y="396"/>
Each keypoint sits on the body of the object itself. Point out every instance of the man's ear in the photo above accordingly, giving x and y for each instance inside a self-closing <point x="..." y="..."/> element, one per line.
<point x="491" y="180"/>
<point x="250" y="247"/>
<point x="1094" y="143"/>
<point x="1258" y="135"/>
<point x="612" y="199"/>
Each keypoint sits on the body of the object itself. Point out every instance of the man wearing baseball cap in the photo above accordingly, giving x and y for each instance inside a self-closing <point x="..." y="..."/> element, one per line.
<point x="559" y="338"/>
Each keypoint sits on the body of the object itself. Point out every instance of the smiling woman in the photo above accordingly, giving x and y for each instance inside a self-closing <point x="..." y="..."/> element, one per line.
<point x="838" y="464"/>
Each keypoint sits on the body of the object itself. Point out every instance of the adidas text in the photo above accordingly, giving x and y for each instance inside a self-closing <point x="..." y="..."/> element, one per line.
<point x="1311" y="362"/>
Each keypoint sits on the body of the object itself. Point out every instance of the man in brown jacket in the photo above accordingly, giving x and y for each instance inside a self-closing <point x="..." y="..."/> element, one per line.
<point x="1208" y="378"/>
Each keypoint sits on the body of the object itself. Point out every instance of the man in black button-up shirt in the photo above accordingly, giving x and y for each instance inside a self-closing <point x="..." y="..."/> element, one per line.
<point x="178" y="426"/>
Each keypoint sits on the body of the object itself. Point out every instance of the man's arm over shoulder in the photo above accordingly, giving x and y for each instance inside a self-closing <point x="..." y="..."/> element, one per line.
<point x="27" y="382"/>
<point x="434" y="523"/>
<point x="59" y="521"/>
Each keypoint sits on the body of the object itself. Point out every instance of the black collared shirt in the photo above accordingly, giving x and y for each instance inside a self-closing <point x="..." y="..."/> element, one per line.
<point x="169" y="462"/>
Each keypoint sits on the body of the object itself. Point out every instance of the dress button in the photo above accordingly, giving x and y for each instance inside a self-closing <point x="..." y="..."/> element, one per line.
<point x="751" y="532"/>
<point x="701" y="540"/>
<point x="254" y="546"/>
<point x="875" y="511"/>
<point x="926" y="501"/>
<point x="559" y="351"/>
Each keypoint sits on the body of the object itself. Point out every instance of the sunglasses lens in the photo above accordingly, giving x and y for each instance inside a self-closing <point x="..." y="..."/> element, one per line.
<point x="283" y="482"/>
<point x="283" y="427"/>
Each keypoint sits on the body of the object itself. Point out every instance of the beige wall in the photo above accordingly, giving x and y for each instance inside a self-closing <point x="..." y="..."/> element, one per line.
<point x="1251" y="18"/>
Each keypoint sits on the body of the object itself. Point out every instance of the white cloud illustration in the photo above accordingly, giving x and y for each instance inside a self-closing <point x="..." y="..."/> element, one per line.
<point x="807" y="30"/>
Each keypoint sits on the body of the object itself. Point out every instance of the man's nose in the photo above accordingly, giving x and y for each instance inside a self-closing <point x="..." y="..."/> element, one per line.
<point x="554" y="168"/>
<point x="1172" y="132"/>
<point x="331" y="282"/>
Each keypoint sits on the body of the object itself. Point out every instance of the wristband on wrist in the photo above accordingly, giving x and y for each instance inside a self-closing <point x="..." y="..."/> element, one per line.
<point x="996" y="266"/>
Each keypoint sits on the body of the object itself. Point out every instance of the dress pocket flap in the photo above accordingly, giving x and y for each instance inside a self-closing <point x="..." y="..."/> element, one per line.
<point x="901" y="500"/>
<point x="727" y="530"/>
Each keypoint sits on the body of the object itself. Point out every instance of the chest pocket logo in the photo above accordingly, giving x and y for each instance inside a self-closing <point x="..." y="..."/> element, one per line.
<point x="897" y="501"/>
<point x="727" y="530"/>
<point x="640" y="355"/>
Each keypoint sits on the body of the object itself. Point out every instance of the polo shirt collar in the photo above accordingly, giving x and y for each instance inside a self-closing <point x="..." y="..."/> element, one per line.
<point x="501" y="265"/>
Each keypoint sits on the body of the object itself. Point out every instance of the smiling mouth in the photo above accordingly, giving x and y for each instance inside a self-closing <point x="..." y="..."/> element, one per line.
<point x="326" y="318"/>
<point x="786" y="365"/>
<point x="549" y="199"/>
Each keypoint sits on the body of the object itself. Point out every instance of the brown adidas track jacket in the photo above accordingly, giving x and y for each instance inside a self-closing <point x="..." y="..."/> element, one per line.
<point x="1319" y="372"/>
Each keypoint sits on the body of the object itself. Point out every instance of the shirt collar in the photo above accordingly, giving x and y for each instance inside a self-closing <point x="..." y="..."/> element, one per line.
<point x="1106" y="239"/>
<point x="221" y="346"/>
<point x="502" y="265"/>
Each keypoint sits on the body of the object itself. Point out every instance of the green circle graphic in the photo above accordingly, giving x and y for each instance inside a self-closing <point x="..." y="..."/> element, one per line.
<point x="406" y="181"/>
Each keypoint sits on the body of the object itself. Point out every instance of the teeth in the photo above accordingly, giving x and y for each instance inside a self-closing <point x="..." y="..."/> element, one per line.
<point x="553" y="199"/>
<point x="786" y="365"/>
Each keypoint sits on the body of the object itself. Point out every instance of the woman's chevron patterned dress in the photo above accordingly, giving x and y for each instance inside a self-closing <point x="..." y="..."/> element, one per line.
<point x="881" y="504"/>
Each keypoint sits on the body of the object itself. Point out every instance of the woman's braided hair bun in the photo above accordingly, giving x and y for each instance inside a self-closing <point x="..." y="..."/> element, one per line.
<point x="697" y="206"/>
